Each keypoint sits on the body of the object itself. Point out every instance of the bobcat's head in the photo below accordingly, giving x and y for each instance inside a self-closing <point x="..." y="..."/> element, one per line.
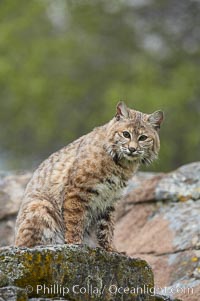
<point x="134" y="135"/>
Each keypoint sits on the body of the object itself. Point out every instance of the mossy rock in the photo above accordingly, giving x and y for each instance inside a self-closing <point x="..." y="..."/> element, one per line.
<point x="12" y="293"/>
<point x="75" y="273"/>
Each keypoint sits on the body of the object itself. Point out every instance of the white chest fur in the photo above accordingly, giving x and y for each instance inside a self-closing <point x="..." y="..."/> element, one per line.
<point x="107" y="194"/>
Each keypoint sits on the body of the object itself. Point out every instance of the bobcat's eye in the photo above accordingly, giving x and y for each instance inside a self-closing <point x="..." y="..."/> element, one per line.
<point x="142" y="138"/>
<point x="126" y="134"/>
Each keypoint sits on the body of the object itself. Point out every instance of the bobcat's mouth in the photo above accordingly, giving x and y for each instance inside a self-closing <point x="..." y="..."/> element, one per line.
<point x="133" y="156"/>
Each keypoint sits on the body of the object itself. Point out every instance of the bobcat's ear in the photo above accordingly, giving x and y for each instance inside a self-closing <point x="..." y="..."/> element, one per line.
<point x="122" y="111"/>
<point x="156" y="119"/>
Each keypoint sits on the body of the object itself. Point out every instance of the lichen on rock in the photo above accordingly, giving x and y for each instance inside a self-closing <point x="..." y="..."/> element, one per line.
<point x="74" y="273"/>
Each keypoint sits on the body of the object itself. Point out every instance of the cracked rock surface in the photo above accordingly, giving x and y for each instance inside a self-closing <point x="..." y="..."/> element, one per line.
<point x="159" y="220"/>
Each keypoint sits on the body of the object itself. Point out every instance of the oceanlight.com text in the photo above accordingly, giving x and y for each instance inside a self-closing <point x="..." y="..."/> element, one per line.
<point x="92" y="290"/>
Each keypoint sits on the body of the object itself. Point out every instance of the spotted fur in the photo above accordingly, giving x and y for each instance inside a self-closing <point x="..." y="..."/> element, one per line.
<point x="75" y="190"/>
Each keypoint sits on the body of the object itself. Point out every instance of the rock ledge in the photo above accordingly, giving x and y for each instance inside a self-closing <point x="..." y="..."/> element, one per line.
<point x="74" y="273"/>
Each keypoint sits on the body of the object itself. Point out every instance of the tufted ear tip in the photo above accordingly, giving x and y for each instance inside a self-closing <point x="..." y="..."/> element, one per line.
<point x="121" y="111"/>
<point x="156" y="118"/>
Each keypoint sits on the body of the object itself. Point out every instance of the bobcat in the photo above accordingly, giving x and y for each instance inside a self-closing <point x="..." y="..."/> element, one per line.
<point x="74" y="191"/>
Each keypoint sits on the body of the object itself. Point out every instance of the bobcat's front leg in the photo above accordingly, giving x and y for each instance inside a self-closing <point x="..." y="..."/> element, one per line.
<point x="105" y="229"/>
<point x="74" y="217"/>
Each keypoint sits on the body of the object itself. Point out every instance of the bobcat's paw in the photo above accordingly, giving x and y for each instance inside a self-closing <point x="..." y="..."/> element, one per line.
<point x="114" y="250"/>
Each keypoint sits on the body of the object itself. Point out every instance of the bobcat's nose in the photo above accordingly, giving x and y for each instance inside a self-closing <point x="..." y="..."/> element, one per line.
<point x="132" y="149"/>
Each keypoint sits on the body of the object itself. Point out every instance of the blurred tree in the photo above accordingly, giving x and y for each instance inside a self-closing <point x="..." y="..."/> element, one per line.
<point x="65" y="64"/>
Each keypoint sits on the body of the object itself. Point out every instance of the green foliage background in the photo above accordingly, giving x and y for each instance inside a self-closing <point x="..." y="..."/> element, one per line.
<point x="65" y="64"/>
